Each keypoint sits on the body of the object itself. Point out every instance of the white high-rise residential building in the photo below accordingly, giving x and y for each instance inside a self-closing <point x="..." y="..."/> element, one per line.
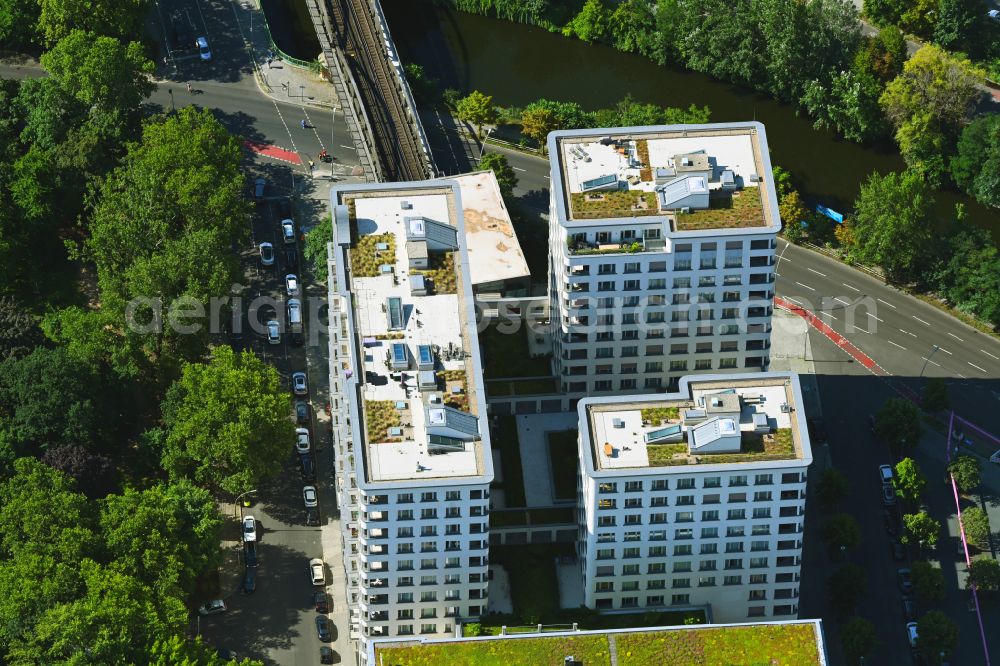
<point x="661" y="254"/>
<point x="696" y="497"/>
<point x="412" y="451"/>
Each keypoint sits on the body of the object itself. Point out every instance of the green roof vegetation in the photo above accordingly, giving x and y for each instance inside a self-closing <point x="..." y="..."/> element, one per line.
<point x="753" y="447"/>
<point x="748" y="645"/>
<point x="612" y="203"/>
<point x="380" y="415"/>
<point x="441" y="272"/>
<point x="366" y="259"/>
<point x="735" y="211"/>
<point x="659" y="415"/>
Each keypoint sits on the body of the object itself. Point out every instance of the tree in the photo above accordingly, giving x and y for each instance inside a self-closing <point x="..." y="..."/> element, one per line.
<point x="928" y="581"/>
<point x="961" y="26"/>
<point x="47" y="399"/>
<point x="908" y="480"/>
<point x="920" y="527"/>
<point x="976" y="166"/>
<point x="898" y="424"/>
<point x="935" y="396"/>
<point x="227" y="422"/>
<point x="100" y="70"/>
<point x="841" y="532"/>
<point x="984" y="573"/>
<point x="478" y="109"/>
<point x="846" y="586"/>
<point x="970" y="277"/>
<point x="506" y="178"/>
<point x="314" y="248"/>
<point x="93" y="474"/>
<point x="937" y="635"/>
<point x="832" y="488"/>
<point x="536" y="123"/>
<point x="793" y="213"/>
<point x="19" y="332"/>
<point x="633" y="27"/>
<point x="976" y="524"/>
<point x="965" y="470"/>
<point x="95" y="337"/>
<point x="114" y="18"/>
<point x="592" y="24"/>
<point x="919" y="18"/>
<point x="884" y="12"/>
<point x="17" y="22"/>
<point x="859" y="639"/>
<point x="179" y="651"/>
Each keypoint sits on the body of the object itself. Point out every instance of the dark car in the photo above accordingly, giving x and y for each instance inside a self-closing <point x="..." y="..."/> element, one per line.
<point x="323" y="629"/>
<point x="321" y="602"/>
<point x="308" y="467"/>
<point x="905" y="581"/>
<point x="284" y="206"/>
<point x="891" y="524"/>
<point x="326" y="655"/>
<point x="817" y="430"/>
<point x="291" y="259"/>
<point x="302" y="412"/>
<point x="250" y="554"/>
<point x="898" y="551"/>
<point x="312" y="517"/>
<point x="909" y="609"/>
<point x="249" y="580"/>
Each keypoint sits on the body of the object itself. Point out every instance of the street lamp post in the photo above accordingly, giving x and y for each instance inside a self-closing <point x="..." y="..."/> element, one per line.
<point x="333" y="121"/>
<point x="236" y="502"/>
<point x="482" y="146"/>
<point x="927" y="359"/>
<point x="170" y="91"/>
<point x="302" y="92"/>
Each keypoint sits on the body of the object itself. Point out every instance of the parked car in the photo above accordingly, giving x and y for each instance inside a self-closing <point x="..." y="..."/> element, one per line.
<point x="249" y="580"/>
<point x="258" y="188"/>
<point x="905" y="581"/>
<point x="288" y="231"/>
<point x="300" y="384"/>
<point x="891" y="522"/>
<point x="213" y="607"/>
<point x="312" y="517"/>
<point x="326" y="655"/>
<point x="292" y="284"/>
<point x="321" y="602"/>
<point x="888" y="494"/>
<point x="911" y="633"/>
<point x="302" y="440"/>
<point x="273" y="332"/>
<point x="885" y="473"/>
<point x="302" y="415"/>
<point x="250" y="553"/>
<point x="909" y="609"/>
<point x="817" y="430"/>
<point x="266" y="253"/>
<point x="323" y="629"/>
<point x="898" y="550"/>
<point x="203" y="51"/>
<point x="249" y="528"/>
<point x="291" y="259"/>
<point x="994" y="14"/>
<point x="308" y="467"/>
<point x="317" y="571"/>
<point x="309" y="497"/>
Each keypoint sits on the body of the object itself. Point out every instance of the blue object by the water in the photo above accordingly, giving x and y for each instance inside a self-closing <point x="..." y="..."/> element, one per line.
<point x="832" y="214"/>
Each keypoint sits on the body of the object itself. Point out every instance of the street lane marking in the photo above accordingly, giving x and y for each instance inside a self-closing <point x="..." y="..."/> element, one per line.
<point x="956" y="337"/>
<point x="932" y="362"/>
<point x="349" y="147"/>
<point x="813" y="270"/>
<point x="976" y="367"/>
<point x="989" y="354"/>
<point x="873" y="317"/>
<point x="796" y="300"/>
<point x="945" y="350"/>
<point x="804" y="285"/>
<point x="858" y="328"/>
<point x="896" y="345"/>
<point x="518" y="168"/>
<point x="828" y="314"/>
<point x="849" y="286"/>
<point x="886" y="303"/>
<point x="902" y="330"/>
<point x="838" y="298"/>
<point x="921" y="320"/>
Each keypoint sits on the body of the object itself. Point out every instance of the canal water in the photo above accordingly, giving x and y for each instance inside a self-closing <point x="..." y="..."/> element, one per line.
<point x="519" y="63"/>
<point x="291" y="28"/>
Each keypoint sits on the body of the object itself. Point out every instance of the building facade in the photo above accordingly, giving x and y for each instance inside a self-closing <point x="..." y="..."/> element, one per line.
<point x="412" y="462"/>
<point x="695" y="498"/>
<point x="662" y="243"/>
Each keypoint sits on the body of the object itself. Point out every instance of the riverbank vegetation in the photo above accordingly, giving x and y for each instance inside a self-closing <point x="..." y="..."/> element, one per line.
<point x="114" y="450"/>
<point x="812" y="55"/>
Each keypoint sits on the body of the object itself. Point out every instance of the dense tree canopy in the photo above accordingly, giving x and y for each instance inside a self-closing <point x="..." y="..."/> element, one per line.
<point x="227" y="422"/>
<point x="970" y="275"/>
<point x="976" y="166"/>
<point x="114" y="18"/>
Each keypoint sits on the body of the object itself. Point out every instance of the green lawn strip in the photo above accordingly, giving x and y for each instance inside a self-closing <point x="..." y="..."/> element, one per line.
<point x="591" y="650"/>
<point x="564" y="463"/>
<point x="507" y="355"/>
<point x="663" y="454"/>
<point x="505" y="439"/>
<point x="533" y="588"/>
<point x="744" y="209"/>
<point x="613" y="203"/>
<point x="775" y="645"/>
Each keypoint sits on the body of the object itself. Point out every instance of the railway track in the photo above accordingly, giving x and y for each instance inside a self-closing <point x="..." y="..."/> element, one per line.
<point x="396" y="146"/>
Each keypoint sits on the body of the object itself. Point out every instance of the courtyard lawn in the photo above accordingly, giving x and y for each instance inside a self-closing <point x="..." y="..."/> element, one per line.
<point x="565" y="464"/>
<point x="504" y="437"/>
<point x="506" y="354"/>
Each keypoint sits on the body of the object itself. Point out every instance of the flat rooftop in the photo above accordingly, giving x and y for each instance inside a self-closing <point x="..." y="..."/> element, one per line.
<point x="420" y="383"/>
<point x="794" y="643"/>
<point x="746" y="419"/>
<point x="494" y="251"/>
<point x="693" y="177"/>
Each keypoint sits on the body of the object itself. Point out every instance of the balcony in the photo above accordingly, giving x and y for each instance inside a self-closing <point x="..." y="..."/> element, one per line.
<point x="378" y="616"/>
<point x="625" y="246"/>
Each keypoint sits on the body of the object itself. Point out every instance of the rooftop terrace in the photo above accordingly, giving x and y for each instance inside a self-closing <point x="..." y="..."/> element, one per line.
<point x="693" y="177"/>
<point x="796" y="643"/>
<point x="421" y="383"/>
<point x="743" y="420"/>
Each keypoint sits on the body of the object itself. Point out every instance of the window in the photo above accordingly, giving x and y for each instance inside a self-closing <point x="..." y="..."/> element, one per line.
<point x="659" y="584"/>
<point x="428" y="628"/>
<point x="703" y="364"/>
<point x="709" y="549"/>
<point x="657" y="551"/>
<point x="428" y="530"/>
<point x="763" y="479"/>
<point x="762" y="513"/>
<point x="757" y="595"/>
<point x="604" y="586"/>
<point x="711" y="498"/>
<point x="710" y="533"/>
<point x="631" y="266"/>
<point x="404" y="630"/>
<point x="680" y="583"/>
<point x="405" y="514"/>
<point x="658" y="535"/>
<point x="404" y="597"/>
<point x="428" y="613"/>
<point x="706" y="581"/>
<point x="630" y="586"/>
<point x="630" y="602"/>
<point x="758" y="579"/>
<point x="732" y="580"/>
<point x="404" y="532"/>
<point x="737" y="498"/>
<point x="606" y="285"/>
<point x="682" y="550"/>
<point x="682" y="283"/>
<point x="682" y="567"/>
<point x="630" y="569"/>
<point x="630" y="553"/>
<point x="685" y="517"/>
<point x="633" y="486"/>
<point x="404" y="498"/>
<point x="428" y="597"/>
<point x="656" y="600"/>
<point x="758" y="546"/>
<point x="755" y="611"/>
<point x="659" y="484"/>
<point x="758" y="562"/>
<point x="734" y="563"/>
<point x="606" y="269"/>
<point x="453" y="495"/>
<point x="680" y="599"/>
<point x="738" y="480"/>
<point x="762" y="496"/>
<point x="428" y="497"/>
